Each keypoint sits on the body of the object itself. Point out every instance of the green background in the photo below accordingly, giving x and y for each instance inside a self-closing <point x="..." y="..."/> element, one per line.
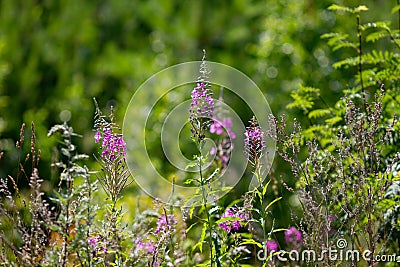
<point x="55" y="56"/>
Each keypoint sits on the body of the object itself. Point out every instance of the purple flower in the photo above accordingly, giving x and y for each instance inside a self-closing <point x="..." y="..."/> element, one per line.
<point x="112" y="144"/>
<point x="93" y="241"/>
<point x="166" y="224"/>
<point x="222" y="126"/>
<point x="272" y="245"/>
<point x="254" y="143"/>
<point x="97" y="137"/>
<point x="293" y="237"/>
<point x="234" y="223"/>
<point x="213" y="150"/>
<point x="147" y="247"/>
<point x="201" y="110"/>
<point x="218" y="127"/>
<point x="202" y="102"/>
<point x="97" y="245"/>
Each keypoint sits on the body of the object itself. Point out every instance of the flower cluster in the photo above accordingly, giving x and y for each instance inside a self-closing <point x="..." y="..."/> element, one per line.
<point x="202" y="102"/>
<point x="202" y="106"/>
<point x="218" y="127"/>
<point x="166" y="224"/>
<point x="113" y="144"/>
<point x="234" y="223"/>
<point x="293" y="237"/>
<point x="97" y="245"/>
<point x="225" y="145"/>
<point x="271" y="245"/>
<point x="254" y="143"/>
<point x="201" y="111"/>
<point x="147" y="247"/>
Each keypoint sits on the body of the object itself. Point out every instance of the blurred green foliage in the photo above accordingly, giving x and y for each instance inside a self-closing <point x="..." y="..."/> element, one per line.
<point x="55" y="56"/>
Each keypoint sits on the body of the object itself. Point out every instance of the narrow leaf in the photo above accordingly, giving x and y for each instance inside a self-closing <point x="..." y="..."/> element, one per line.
<point x="272" y="202"/>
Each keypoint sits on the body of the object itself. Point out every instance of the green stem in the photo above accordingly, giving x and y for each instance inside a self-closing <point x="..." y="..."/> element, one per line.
<point x="88" y="254"/>
<point x="203" y="192"/>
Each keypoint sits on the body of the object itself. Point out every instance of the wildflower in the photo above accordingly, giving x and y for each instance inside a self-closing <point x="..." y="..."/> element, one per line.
<point x="97" y="137"/>
<point x="222" y="126"/>
<point x="254" y="143"/>
<point x="95" y="243"/>
<point x="165" y="224"/>
<point x="272" y="245"/>
<point x="112" y="144"/>
<point x="147" y="247"/>
<point x="202" y="102"/>
<point x="202" y="106"/>
<point x="218" y="127"/>
<point x="201" y="110"/>
<point x="234" y="223"/>
<point x="223" y="150"/>
<point x="293" y="237"/>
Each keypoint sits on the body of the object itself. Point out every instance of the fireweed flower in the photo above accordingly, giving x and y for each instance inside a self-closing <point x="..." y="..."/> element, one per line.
<point x="202" y="102"/>
<point x="235" y="223"/>
<point x="97" y="246"/>
<point x="219" y="127"/>
<point x="112" y="144"/>
<point x="97" y="137"/>
<point x="224" y="146"/>
<point x="222" y="127"/>
<point x="146" y="247"/>
<point x="254" y="143"/>
<point x="114" y="175"/>
<point x="293" y="237"/>
<point x="271" y="245"/>
<point x="166" y="224"/>
<point x="202" y="105"/>
<point x="201" y="110"/>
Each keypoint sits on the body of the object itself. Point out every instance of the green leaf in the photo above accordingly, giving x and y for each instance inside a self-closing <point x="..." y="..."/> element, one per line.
<point x="333" y="120"/>
<point x="191" y="226"/>
<point x="312" y="130"/>
<point x="304" y="98"/>
<point x="375" y="36"/>
<point x="351" y="61"/>
<point x="265" y="188"/>
<point x="378" y="24"/>
<point x="340" y="8"/>
<point x="191" y="164"/>
<point x="191" y="211"/>
<point x="203" y="236"/>
<point x="251" y="242"/>
<point x="348" y="9"/>
<point x="228" y="219"/>
<point x="360" y="8"/>
<point x="188" y="181"/>
<point x="318" y="113"/>
<point x="198" y="245"/>
<point x="338" y="40"/>
<point x="395" y="9"/>
<point x="279" y="230"/>
<point x="272" y="202"/>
